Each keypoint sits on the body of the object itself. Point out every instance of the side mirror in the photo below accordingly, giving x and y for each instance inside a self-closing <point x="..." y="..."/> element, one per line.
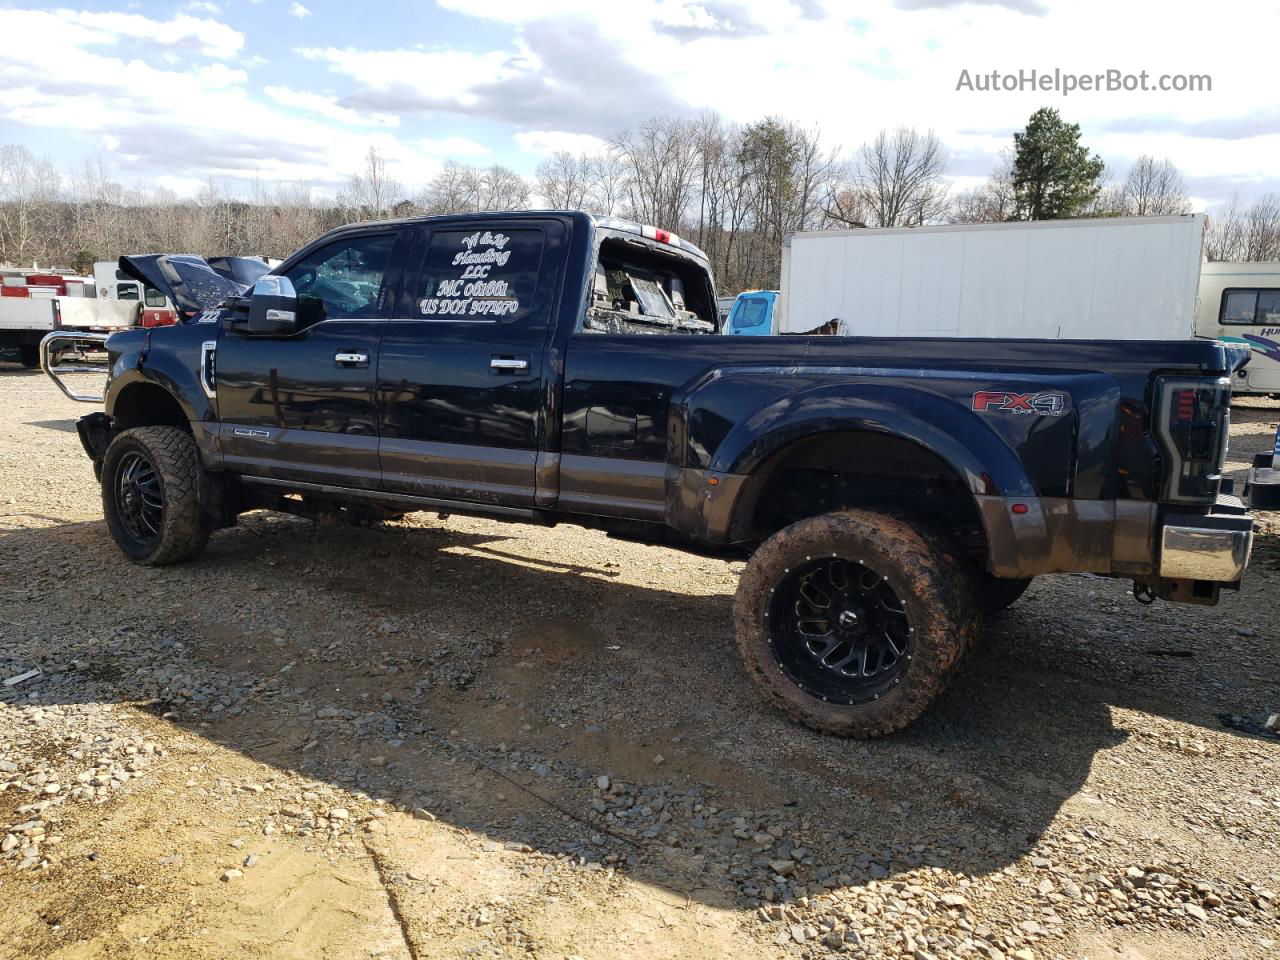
<point x="273" y="306"/>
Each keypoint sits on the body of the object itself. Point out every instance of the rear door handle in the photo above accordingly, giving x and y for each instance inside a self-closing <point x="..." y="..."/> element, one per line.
<point x="351" y="358"/>
<point x="509" y="364"/>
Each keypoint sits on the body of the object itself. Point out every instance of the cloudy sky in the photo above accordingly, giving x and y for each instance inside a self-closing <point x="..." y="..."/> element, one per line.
<point x="297" y="90"/>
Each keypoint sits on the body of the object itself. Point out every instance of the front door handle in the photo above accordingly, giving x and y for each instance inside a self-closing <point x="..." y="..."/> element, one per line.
<point x="351" y="358"/>
<point x="509" y="364"/>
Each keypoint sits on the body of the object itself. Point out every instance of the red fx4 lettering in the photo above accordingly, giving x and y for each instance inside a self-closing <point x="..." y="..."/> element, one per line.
<point x="1047" y="404"/>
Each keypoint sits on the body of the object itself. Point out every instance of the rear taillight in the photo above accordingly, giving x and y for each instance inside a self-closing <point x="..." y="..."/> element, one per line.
<point x="1192" y="424"/>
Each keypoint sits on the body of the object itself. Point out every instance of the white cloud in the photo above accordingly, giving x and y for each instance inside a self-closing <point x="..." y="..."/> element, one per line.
<point x="446" y="147"/>
<point x="204" y="6"/>
<point x="298" y="10"/>
<point x="195" y="120"/>
<point x="327" y="106"/>
<point x="575" y="71"/>
<point x="553" y="141"/>
<point x="86" y="28"/>
<point x="449" y="76"/>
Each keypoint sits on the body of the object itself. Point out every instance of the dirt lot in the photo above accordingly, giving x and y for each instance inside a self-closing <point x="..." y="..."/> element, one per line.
<point x="458" y="738"/>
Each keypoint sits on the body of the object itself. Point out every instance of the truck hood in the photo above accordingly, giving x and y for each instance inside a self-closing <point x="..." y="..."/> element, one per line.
<point x="192" y="283"/>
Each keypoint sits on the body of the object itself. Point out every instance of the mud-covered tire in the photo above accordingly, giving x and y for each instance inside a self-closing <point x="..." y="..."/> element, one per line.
<point x="998" y="593"/>
<point x="175" y="480"/>
<point x="928" y="579"/>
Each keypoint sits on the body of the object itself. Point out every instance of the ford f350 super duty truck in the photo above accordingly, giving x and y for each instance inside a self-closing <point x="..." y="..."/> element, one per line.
<point x="559" y="368"/>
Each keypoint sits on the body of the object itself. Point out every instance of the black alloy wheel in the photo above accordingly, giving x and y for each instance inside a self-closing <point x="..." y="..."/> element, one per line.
<point x="838" y="629"/>
<point x="139" y="494"/>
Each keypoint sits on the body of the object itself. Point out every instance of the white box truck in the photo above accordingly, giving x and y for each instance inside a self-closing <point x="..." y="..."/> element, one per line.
<point x="1131" y="278"/>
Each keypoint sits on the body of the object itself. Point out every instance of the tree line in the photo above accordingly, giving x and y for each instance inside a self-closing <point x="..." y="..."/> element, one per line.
<point x="736" y="190"/>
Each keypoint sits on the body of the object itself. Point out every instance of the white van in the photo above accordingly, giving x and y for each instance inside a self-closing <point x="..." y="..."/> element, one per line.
<point x="1240" y="303"/>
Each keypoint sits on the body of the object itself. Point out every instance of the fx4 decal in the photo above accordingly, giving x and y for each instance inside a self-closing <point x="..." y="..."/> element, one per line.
<point x="1049" y="403"/>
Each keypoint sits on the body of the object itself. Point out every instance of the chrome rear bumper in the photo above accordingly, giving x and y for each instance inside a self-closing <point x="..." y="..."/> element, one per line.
<point x="1212" y="547"/>
<point x="1199" y="553"/>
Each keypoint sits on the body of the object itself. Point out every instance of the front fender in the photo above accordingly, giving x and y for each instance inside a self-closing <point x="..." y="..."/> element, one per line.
<point x="167" y="357"/>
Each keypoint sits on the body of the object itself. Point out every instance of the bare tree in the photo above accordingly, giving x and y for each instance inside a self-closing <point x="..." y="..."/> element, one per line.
<point x="661" y="162"/>
<point x="458" y="188"/>
<point x="371" y="193"/>
<point x="564" y="181"/>
<point x="993" y="202"/>
<point x="29" y="191"/>
<point x="501" y="188"/>
<point x="608" y="183"/>
<point x="1245" y="233"/>
<point x="1153" y="189"/>
<point x="898" y="179"/>
<point x="452" y="190"/>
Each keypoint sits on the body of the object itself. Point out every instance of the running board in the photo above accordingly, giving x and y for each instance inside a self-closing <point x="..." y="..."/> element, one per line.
<point x="404" y="500"/>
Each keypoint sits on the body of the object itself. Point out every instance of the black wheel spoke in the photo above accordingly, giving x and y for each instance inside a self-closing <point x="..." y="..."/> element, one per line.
<point x="840" y="629"/>
<point x="139" y="497"/>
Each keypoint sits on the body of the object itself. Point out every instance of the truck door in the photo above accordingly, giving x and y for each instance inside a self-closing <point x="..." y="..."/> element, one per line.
<point x="752" y="315"/>
<point x="461" y="371"/>
<point x="302" y="406"/>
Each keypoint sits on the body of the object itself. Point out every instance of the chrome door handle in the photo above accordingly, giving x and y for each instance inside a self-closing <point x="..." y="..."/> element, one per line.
<point x="509" y="364"/>
<point x="345" y="357"/>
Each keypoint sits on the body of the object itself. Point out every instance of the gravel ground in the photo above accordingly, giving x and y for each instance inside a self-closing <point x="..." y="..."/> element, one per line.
<point x="460" y="738"/>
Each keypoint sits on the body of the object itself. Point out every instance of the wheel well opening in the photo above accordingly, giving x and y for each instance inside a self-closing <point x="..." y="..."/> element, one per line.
<point x="833" y="471"/>
<point x="148" y="405"/>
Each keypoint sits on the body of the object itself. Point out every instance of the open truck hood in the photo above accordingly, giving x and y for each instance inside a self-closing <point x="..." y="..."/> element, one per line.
<point x="194" y="284"/>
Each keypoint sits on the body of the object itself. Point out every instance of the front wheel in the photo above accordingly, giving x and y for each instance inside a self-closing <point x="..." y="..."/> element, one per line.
<point x="851" y="622"/>
<point x="151" y="482"/>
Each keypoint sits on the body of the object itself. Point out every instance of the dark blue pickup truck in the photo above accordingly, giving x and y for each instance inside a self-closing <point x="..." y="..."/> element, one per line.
<point x="550" y="367"/>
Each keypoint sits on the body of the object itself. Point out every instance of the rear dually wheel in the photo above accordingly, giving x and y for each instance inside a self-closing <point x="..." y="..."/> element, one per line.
<point x="851" y="622"/>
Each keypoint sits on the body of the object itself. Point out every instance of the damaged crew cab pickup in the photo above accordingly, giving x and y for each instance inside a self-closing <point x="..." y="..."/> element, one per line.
<point x="559" y="368"/>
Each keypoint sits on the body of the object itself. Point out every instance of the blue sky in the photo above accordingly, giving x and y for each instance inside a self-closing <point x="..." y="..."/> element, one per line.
<point x="167" y="94"/>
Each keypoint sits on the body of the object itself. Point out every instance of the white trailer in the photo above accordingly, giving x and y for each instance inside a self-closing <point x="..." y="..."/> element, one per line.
<point x="1240" y="303"/>
<point x="1128" y="278"/>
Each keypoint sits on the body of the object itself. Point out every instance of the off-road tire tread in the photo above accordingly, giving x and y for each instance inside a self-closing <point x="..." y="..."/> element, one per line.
<point x="184" y="531"/>
<point x="903" y="548"/>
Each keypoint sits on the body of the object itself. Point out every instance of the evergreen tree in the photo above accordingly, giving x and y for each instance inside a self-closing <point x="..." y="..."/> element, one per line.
<point x="1054" y="176"/>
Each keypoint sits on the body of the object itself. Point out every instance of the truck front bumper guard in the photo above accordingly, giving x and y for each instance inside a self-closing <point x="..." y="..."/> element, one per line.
<point x="50" y="348"/>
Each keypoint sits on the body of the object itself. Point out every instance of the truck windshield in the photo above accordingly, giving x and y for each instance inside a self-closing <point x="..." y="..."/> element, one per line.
<point x="752" y="312"/>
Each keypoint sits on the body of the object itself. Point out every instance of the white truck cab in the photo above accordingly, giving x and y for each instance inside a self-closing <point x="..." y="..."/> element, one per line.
<point x="112" y="283"/>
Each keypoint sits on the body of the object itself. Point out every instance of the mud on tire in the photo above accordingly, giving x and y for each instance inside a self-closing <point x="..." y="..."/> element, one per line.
<point x="151" y="491"/>
<point x="821" y="590"/>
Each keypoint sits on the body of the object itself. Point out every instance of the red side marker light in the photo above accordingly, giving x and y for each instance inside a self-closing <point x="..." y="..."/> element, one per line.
<point x="1019" y="508"/>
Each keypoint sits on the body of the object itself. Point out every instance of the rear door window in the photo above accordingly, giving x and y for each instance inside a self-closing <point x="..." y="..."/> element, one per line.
<point x="482" y="276"/>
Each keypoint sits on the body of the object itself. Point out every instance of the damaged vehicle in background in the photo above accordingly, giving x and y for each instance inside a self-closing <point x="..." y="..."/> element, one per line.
<point x="887" y="494"/>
